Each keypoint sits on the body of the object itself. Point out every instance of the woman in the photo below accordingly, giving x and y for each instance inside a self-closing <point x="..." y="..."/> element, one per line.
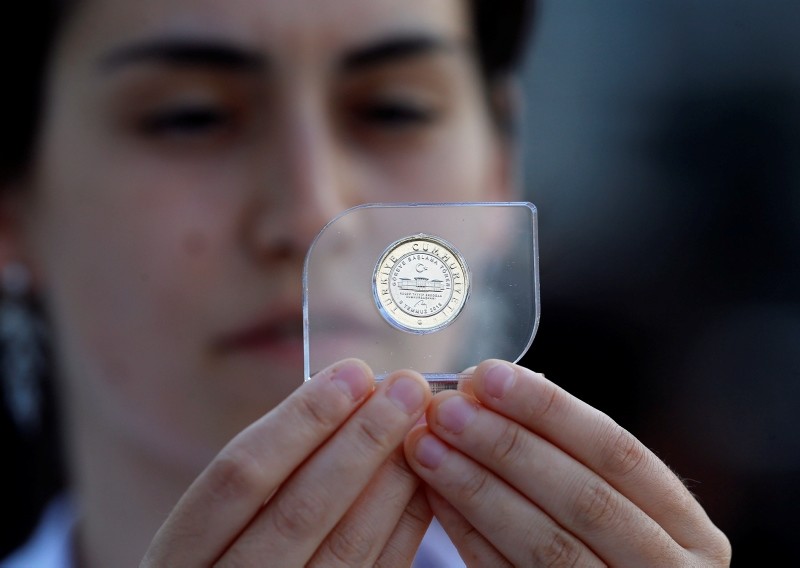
<point x="186" y="154"/>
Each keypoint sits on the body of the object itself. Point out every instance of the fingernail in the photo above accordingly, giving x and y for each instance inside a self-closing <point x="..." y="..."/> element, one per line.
<point x="406" y="394"/>
<point x="455" y="413"/>
<point x="430" y="452"/>
<point x="351" y="378"/>
<point x="498" y="380"/>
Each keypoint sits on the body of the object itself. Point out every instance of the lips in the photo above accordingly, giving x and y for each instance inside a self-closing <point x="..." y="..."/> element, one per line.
<point x="277" y="336"/>
<point x="279" y="332"/>
<point x="335" y="333"/>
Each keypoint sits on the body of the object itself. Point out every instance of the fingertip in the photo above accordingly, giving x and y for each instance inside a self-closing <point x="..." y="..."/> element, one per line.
<point x="465" y="380"/>
<point x="424" y="449"/>
<point x="436" y="400"/>
<point x="408" y="390"/>
<point x="495" y="378"/>
<point x="429" y="451"/>
<point x="406" y="394"/>
<point x="440" y="397"/>
<point x="412" y="438"/>
<point x="351" y="376"/>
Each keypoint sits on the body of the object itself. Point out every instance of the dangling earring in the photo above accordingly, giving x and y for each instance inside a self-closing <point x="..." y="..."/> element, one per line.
<point x="21" y="341"/>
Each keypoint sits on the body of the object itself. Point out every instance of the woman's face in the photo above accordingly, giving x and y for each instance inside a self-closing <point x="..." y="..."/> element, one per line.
<point x="190" y="151"/>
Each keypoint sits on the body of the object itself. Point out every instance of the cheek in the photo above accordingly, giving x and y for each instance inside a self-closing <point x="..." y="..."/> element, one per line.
<point x="125" y="250"/>
<point x="128" y="257"/>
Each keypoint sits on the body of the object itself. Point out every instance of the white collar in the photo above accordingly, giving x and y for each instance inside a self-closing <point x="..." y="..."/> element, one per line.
<point x="50" y="545"/>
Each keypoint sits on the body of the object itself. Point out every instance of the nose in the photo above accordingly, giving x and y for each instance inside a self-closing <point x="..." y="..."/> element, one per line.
<point x="305" y="184"/>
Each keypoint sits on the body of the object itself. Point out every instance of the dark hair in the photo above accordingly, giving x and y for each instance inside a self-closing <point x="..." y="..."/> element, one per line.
<point x="24" y="57"/>
<point x="501" y="35"/>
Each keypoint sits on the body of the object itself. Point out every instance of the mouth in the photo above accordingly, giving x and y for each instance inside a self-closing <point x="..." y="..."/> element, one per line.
<point x="336" y="334"/>
<point x="277" y="338"/>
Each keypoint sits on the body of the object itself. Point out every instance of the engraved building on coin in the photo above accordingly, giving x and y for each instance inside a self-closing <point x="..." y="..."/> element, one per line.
<point x="421" y="283"/>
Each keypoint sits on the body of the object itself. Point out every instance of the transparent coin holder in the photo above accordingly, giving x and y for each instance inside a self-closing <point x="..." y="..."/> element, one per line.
<point x="432" y="287"/>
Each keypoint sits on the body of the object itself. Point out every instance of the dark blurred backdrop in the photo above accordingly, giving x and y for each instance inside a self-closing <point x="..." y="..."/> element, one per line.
<point x="663" y="152"/>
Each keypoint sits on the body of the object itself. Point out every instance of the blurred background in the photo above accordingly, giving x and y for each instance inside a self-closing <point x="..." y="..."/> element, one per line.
<point x="663" y="153"/>
<point x="662" y="149"/>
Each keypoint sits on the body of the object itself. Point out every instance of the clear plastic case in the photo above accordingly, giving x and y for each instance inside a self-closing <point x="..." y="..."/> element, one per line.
<point x="436" y="288"/>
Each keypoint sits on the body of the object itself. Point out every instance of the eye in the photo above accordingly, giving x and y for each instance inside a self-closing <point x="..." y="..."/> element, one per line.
<point x="397" y="114"/>
<point x="187" y="121"/>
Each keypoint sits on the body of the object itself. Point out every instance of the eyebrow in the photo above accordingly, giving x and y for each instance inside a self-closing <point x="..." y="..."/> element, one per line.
<point x="397" y="49"/>
<point x="229" y="56"/>
<point x="185" y="53"/>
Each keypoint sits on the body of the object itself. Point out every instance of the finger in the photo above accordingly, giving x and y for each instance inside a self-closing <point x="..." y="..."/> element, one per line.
<point x="524" y="534"/>
<point x="359" y="538"/>
<point x="465" y="384"/>
<point x="570" y="493"/>
<point x="235" y="485"/>
<point x="310" y="504"/>
<point x="404" y="543"/>
<point x="474" y="548"/>
<point x="598" y="442"/>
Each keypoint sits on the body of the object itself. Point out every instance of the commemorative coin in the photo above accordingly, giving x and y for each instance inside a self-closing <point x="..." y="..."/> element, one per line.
<point x="421" y="284"/>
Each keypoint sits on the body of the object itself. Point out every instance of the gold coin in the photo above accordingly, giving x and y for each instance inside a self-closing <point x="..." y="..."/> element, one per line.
<point x="421" y="283"/>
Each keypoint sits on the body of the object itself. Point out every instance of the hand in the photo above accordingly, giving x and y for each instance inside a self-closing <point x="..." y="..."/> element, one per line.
<point x="522" y="473"/>
<point x="320" y="480"/>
